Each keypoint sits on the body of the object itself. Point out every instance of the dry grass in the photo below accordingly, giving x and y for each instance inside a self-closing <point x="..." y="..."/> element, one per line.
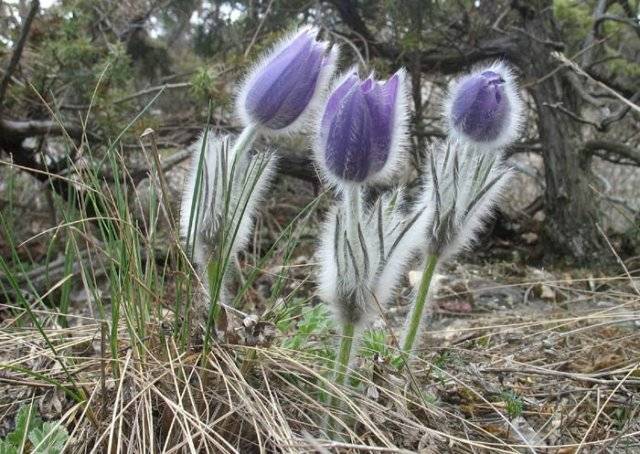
<point x="572" y="364"/>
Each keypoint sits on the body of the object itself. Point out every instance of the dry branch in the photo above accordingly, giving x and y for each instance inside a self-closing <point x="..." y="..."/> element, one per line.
<point x="17" y="52"/>
<point x="620" y="150"/>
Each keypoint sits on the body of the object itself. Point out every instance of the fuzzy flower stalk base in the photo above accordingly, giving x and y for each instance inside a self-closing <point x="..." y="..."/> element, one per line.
<point x="344" y="355"/>
<point x="418" y="308"/>
<point x="363" y="259"/>
<point x="357" y="251"/>
<point x="224" y="187"/>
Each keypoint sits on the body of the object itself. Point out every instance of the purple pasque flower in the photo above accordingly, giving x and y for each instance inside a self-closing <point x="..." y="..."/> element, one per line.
<point x="363" y="129"/>
<point x="481" y="107"/>
<point x="281" y="90"/>
<point x="484" y="108"/>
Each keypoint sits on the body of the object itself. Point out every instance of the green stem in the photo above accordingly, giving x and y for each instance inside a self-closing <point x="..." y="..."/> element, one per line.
<point x="341" y="367"/>
<point x="418" y="308"/>
<point x="342" y="361"/>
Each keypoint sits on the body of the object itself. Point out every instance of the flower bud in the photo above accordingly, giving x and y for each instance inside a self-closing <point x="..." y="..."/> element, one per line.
<point x="363" y="129"/>
<point x="281" y="90"/>
<point x="484" y="108"/>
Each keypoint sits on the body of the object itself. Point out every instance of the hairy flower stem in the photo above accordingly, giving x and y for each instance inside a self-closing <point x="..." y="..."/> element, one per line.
<point x="344" y="355"/>
<point x="352" y="212"/>
<point x="418" y="308"/>
<point x="244" y="140"/>
<point x="352" y="205"/>
<point x="341" y="365"/>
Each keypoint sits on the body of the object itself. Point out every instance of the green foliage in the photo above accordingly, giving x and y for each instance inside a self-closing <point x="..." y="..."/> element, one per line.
<point x="226" y="34"/>
<point x="442" y="359"/>
<point x="513" y="403"/>
<point x="32" y="433"/>
<point x="622" y="66"/>
<point x="310" y="335"/>
<point x="574" y="18"/>
<point x="374" y="342"/>
<point x="48" y="439"/>
<point x="313" y="323"/>
<point x="71" y="63"/>
<point x="205" y="84"/>
<point x="483" y="342"/>
<point x="7" y="448"/>
<point x="26" y="420"/>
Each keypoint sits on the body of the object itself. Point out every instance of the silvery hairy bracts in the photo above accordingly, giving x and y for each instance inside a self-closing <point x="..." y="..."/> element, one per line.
<point x="461" y="188"/>
<point x="226" y="184"/>
<point x="362" y="259"/>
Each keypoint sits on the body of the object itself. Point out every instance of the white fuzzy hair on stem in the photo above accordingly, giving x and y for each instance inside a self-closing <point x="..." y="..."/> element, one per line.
<point x="356" y="277"/>
<point x="226" y="192"/>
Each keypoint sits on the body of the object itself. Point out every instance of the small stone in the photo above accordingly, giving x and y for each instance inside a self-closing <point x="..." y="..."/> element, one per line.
<point x="250" y="321"/>
<point x="414" y="278"/>
<point x="539" y="216"/>
<point x="547" y="293"/>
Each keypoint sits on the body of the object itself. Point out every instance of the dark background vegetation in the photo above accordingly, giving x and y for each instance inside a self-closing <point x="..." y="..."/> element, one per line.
<point x="81" y="69"/>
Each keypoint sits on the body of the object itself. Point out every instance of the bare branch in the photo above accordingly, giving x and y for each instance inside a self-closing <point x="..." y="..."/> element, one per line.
<point x="633" y="23"/>
<point x="17" y="51"/>
<point x="598" y="80"/>
<point x="620" y="113"/>
<point x="29" y="128"/>
<point x="572" y="115"/>
<point x="613" y="151"/>
<point x="582" y="91"/>
<point x="556" y="45"/>
<point x="443" y="59"/>
<point x="152" y="90"/>
<point x="600" y="9"/>
<point x="602" y="125"/>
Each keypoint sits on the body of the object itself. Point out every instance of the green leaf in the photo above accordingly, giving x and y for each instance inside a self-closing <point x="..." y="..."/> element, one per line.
<point x="26" y="419"/>
<point x="7" y="448"/>
<point x="315" y="321"/>
<point x="48" y="439"/>
<point x="375" y="341"/>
